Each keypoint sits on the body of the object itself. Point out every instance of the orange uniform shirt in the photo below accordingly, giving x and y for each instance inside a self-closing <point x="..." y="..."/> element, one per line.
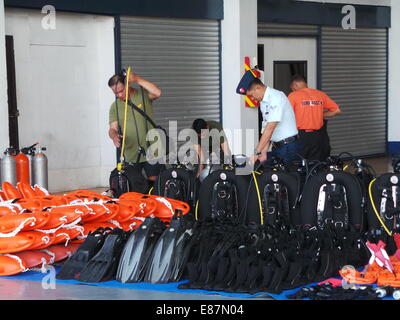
<point x="309" y="105"/>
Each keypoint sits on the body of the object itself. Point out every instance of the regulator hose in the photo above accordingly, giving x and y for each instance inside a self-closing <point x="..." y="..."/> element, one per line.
<point x="375" y="210"/>
<point x="122" y="158"/>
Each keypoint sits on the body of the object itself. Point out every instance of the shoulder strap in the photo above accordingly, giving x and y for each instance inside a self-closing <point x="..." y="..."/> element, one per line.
<point x="116" y="108"/>
<point x="145" y="110"/>
<point x="144" y="114"/>
<point x="118" y="152"/>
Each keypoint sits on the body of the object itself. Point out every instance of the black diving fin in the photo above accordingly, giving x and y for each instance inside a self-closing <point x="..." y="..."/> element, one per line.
<point x="102" y="266"/>
<point x="137" y="250"/>
<point x="163" y="259"/>
<point x="181" y="256"/>
<point x="75" y="264"/>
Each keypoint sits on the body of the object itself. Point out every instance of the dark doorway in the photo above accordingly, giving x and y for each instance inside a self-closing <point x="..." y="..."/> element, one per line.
<point x="13" y="112"/>
<point x="285" y="70"/>
<point x="260" y="66"/>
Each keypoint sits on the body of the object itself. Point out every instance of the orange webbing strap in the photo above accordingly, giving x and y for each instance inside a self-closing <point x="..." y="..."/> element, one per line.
<point x="352" y="276"/>
<point x="387" y="278"/>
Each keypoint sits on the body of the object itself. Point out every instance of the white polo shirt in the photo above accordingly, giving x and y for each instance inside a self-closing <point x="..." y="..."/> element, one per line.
<point x="276" y="107"/>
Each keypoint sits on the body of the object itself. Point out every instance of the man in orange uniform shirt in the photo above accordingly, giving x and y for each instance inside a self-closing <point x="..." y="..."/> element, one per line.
<point x="309" y="106"/>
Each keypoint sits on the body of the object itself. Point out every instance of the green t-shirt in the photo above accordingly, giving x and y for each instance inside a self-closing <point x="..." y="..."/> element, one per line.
<point x="131" y="142"/>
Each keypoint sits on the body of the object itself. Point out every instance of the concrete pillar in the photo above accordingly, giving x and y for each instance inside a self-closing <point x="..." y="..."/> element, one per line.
<point x="394" y="79"/>
<point x="239" y="39"/>
<point x="4" y="138"/>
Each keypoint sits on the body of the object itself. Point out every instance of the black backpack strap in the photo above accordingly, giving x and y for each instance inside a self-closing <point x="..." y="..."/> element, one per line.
<point x="144" y="114"/>
<point x="116" y="108"/>
<point x="145" y="110"/>
<point x="141" y="149"/>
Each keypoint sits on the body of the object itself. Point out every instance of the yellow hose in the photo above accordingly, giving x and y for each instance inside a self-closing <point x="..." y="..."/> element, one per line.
<point x="259" y="197"/>
<point x="151" y="190"/>
<point x="375" y="210"/>
<point x="122" y="158"/>
<point x="196" y="210"/>
<point x="345" y="167"/>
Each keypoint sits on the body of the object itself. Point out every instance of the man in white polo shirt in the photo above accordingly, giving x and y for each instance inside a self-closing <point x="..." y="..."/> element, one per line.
<point x="279" y="119"/>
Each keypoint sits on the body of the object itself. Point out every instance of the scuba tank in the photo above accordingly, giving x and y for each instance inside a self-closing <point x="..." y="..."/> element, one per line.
<point x="206" y="171"/>
<point x="8" y="167"/>
<point x="211" y="166"/>
<point x="40" y="169"/>
<point x="30" y="152"/>
<point x="22" y="168"/>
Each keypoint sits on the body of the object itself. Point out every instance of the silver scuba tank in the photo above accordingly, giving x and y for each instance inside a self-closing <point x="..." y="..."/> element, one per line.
<point x="30" y="158"/>
<point x="8" y="170"/>
<point x="213" y="164"/>
<point x="40" y="169"/>
<point x="206" y="171"/>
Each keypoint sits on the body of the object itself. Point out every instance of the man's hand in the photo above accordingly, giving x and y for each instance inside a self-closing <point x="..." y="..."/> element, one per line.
<point x="331" y="114"/>
<point x="262" y="157"/>
<point x="253" y="159"/>
<point x="117" y="140"/>
<point x="133" y="77"/>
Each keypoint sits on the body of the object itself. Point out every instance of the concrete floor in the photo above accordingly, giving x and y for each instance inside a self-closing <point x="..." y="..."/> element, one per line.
<point x="29" y="290"/>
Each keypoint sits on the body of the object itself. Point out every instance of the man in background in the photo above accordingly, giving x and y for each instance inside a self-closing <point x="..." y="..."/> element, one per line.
<point x="312" y="107"/>
<point x="209" y="144"/>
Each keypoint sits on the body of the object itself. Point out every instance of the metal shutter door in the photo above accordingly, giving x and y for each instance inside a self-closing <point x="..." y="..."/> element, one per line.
<point x="354" y="74"/>
<point x="183" y="58"/>
<point x="281" y="28"/>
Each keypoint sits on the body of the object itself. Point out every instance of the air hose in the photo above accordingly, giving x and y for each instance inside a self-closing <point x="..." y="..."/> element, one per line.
<point x="122" y="159"/>
<point x="375" y="210"/>
<point x="259" y="197"/>
<point x="197" y="210"/>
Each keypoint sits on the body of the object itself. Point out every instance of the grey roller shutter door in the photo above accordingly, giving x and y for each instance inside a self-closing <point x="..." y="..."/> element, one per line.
<point x="354" y="74"/>
<point x="183" y="58"/>
<point x="265" y="28"/>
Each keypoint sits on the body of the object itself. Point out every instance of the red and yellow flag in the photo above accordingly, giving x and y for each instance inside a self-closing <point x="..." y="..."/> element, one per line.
<point x="249" y="102"/>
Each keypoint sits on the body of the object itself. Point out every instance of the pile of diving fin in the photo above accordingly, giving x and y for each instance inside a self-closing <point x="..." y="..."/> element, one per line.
<point x="97" y="257"/>
<point x="239" y="259"/>
<point x="155" y="252"/>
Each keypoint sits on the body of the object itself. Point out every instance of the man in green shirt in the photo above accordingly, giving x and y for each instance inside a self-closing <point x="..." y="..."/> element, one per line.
<point x="217" y="142"/>
<point x="136" y="125"/>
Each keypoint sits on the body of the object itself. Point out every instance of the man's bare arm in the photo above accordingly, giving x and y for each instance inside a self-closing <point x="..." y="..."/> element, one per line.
<point x="225" y="149"/>
<point x="200" y="158"/>
<point x="331" y="114"/>
<point x="153" y="90"/>
<point x="264" y="142"/>
<point x="114" y="135"/>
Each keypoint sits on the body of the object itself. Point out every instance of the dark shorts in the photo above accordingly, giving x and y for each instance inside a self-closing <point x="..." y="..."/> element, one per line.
<point x="151" y="170"/>
<point x="316" y="144"/>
